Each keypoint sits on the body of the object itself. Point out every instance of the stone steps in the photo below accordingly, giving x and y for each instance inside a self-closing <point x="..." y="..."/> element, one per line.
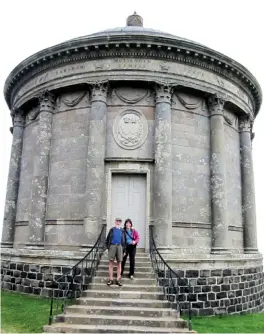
<point x="122" y="310"/>
<point x="123" y="294"/>
<point x="138" y="274"/>
<point x="126" y="287"/>
<point x="136" y="307"/>
<point x="139" y="264"/>
<point x="110" y="302"/>
<point x="72" y="328"/>
<point x="126" y="280"/>
<point x="142" y="268"/>
<point x="137" y="258"/>
<point x="117" y="319"/>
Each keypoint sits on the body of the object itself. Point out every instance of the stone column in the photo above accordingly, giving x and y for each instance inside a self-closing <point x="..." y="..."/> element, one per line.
<point x="218" y="175"/>
<point x="248" y="189"/>
<point x="163" y="168"/>
<point x="95" y="174"/>
<point x="13" y="179"/>
<point x="40" y="176"/>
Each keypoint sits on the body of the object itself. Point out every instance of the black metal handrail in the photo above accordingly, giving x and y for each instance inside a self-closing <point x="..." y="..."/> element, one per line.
<point x="78" y="278"/>
<point x="168" y="279"/>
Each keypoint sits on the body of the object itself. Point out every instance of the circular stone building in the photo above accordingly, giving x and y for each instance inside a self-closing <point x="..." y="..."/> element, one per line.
<point x="134" y="122"/>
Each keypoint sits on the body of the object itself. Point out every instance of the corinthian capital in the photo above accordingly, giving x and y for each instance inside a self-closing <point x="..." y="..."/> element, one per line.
<point x="216" y="105"/>
<point x="18" y="117"/>
<point x="99" y="90"/>
<point x="46" y="102"/>
<point x="163" y="93"/>
<point x="245" y="124"/>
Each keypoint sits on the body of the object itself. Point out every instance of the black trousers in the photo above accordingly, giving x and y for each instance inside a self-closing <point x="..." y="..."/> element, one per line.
<point x="131" y="251"/>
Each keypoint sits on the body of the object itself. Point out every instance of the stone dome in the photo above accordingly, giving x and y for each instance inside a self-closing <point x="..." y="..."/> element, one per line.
<point x="135" y="35"/>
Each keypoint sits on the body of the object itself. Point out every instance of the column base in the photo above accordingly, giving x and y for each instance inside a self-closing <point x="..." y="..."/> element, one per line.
<point x="86" y="248"/>
<point x="91" y="229"/>
<point x="251" y="250"/>
<point x="220" y="250"/>
<point x="165" y="251"/>
<point x="7" y="244"/>
<point x="33" y="245"/>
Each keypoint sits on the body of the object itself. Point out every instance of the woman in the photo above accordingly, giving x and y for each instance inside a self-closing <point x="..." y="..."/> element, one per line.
<point x="132" y="239"/>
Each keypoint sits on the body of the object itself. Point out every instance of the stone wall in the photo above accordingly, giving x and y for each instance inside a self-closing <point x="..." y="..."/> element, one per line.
<point x="191" y="211"/>
<point x="221" y="291"/>
<point x="26" y="171"/>
<point x="213" y="291"/>
<point x="38" y="279"/>
<point x="67" y="176"/>
<point x="68" y="159"/>
<point x="233" y="182"/>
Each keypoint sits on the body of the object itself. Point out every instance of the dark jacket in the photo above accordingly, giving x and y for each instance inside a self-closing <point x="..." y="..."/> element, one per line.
<point x="109" y="239"/>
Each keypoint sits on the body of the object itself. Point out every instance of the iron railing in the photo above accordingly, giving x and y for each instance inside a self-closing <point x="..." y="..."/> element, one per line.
<point x="77" y="279"/>
<point x="169" y="280"/>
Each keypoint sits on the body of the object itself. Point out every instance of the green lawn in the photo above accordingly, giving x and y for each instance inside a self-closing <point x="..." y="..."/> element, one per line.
<point x="28" y="314"/>
<point x="250" y="323"/>
<point x="23" y="313"/>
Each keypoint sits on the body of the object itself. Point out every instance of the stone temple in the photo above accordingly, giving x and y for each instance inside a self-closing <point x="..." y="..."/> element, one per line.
<point x="134" y="122"/>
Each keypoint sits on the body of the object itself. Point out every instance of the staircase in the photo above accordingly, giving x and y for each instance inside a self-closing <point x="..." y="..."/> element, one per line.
<point x="136" y="307"/>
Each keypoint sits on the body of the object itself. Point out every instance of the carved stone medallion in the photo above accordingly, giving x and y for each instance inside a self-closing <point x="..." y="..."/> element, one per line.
<point x="130" y="129"/>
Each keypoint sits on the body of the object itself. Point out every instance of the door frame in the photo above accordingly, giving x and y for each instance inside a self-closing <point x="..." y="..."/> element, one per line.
<point x="128" y="169"/>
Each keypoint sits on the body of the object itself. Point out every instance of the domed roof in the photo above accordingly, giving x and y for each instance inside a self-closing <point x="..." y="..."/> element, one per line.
<point x="157" y="44"/>
<point x="134" y="27"/>
<point x="132" y="30"/>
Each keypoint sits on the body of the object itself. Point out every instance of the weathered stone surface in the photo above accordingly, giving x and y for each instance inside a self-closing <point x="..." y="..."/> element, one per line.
<point x="95" y="162"/>
<point x="41" y="171"/>
<point x="218" y="175"/>
<point x="163" y="168"/>
<point x="248" y="190"/>
<point x="13" y="179"/>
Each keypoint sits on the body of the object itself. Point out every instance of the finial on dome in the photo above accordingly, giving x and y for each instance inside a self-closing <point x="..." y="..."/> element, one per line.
<point x="134" y="20"/>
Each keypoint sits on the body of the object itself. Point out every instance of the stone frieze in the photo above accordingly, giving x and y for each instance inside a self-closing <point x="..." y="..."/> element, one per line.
<point x="142" y="70"/>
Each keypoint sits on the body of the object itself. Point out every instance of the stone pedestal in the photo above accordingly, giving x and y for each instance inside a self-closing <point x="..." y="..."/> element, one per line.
<point x="248" y="189"/>
<point x="95" y="163"/>
<point x="218" y="175"/>
<point x="13" y="179"/>
<point x="41" y="172"/>
<point x="163" y="168"/>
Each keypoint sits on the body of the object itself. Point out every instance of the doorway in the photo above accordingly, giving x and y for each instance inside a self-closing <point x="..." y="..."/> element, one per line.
<point x="128" y="200"/>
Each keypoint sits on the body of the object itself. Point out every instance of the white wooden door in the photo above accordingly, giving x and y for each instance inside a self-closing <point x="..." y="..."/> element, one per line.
<point x="129" y="201"/>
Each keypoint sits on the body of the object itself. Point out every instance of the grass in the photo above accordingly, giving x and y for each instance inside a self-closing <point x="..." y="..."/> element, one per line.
<point x="22" y="313"/>
<point x="28" y="314"/>
<point x="249" y="323"/>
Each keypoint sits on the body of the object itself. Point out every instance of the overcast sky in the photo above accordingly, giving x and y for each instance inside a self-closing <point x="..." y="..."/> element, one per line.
<point x="232" y="27"/>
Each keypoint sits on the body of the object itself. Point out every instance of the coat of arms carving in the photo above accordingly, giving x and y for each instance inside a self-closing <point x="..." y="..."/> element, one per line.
<point x="130" y="129"/>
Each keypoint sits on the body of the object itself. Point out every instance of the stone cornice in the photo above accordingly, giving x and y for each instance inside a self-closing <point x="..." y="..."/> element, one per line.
<point x="154" y="47"/>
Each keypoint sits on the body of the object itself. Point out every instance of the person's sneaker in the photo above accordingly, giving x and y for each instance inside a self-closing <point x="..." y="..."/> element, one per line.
<point x="131" y="277"/>
<point x="119" y="283"/>
<point x="110" y="282"/>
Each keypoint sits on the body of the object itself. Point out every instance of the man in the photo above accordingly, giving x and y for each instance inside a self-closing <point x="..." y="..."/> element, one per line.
<point x="116" y="245"/>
